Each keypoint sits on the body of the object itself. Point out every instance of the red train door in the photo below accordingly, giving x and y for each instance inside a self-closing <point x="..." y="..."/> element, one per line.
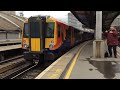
<point x="62" y="31"/>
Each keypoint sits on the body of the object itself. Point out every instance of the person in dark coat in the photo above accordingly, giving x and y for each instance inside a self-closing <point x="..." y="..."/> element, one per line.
<point x="112" y="40"/>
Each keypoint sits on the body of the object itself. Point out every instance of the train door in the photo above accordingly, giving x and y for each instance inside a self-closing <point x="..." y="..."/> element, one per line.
<point x="49" y="35"/>
<point x="68" y="37"/>
<point x="36" y="33"/>
<point x="72" y="36"/>
<point x="62" y="31"/>
<point x="59" y="33"/>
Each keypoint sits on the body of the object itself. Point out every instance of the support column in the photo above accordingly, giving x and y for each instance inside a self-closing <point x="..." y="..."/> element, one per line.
<point x="6" y="33"/>
<point x="19" y="35"/>
<point x="98" y="33"/>
<point x="98" y="43"/>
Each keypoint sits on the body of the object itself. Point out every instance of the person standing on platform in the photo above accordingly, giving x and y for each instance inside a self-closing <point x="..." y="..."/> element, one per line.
<point x="112" y="40"/>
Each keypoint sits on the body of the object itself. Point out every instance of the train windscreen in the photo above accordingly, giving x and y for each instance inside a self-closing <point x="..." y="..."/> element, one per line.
<point x="34" y="30"/>
<point x="25" y="31"/>
<point x="50" y="30"/>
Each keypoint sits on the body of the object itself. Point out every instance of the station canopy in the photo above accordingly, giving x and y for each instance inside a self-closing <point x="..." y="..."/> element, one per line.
<point x="10" y="22"/>
<point x="88" y="18"/>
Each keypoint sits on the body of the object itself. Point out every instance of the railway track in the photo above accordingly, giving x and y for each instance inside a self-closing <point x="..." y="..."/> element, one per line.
<point x="32" y="72"/>
<point x="18" y="71"/>
<point x="11" y="59"/>
<point x="25" y="71"/>
<point x="10" y="64"/>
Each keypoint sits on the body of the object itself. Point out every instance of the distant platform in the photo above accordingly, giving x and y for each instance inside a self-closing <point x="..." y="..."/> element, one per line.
<point x="10" y="47"/>
<point x="10" y="41"/>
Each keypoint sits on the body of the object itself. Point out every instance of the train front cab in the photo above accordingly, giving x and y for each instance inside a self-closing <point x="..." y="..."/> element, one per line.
<point x="36" y="27"/>
<point x="41" y="37"/>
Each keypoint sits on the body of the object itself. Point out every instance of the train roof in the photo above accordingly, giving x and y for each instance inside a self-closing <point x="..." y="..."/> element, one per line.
<point x="52" y="19"/>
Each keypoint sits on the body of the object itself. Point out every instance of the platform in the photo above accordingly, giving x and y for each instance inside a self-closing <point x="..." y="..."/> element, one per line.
<point x="10" y="47"/>
<point x="79" y="64"/>
<point x="10" y="41"/>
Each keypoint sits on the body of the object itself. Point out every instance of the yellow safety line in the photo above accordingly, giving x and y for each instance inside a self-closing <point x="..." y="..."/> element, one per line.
<point x="118" y="54"/>
<point x="73" y="63"/>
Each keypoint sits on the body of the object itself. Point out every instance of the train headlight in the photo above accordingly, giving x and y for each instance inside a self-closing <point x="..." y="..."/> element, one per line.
<point x="25" y="46"/>
<point x="51" y="44"/>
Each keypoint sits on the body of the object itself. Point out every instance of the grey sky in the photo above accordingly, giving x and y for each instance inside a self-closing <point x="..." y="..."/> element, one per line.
<point x="62" y="15"/>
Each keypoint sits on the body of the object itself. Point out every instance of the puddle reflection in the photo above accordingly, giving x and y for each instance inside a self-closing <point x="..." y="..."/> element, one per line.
<point x="107" y="68"/>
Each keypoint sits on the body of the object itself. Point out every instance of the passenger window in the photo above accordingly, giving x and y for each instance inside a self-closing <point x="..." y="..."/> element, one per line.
<point x="62" y="37"/>
<point x="34" y="30"/>
<point x="58" y="30"/>
<point x="62" y="34"/>
<point x="68" y="34"/>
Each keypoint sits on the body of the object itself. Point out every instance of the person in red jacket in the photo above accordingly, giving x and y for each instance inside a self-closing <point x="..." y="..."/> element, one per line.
<point x="112" y="40"/>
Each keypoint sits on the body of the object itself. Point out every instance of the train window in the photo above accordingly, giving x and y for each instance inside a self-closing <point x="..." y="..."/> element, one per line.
<point x="58" y="30"/>
<point x="25" y="31"/>
<point x="62" y="33"/>
<point x="50" y="30"/>
<point x="34" y="29"/>
<point x="68" y="34"/>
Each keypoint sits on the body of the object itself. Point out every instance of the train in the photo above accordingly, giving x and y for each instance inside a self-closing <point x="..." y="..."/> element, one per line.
<point x="44" y="37"/>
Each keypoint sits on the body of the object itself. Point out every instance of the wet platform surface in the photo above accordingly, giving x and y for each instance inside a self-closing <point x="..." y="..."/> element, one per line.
<point x="109" y="69"/>
<point x="88" y="68"/>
